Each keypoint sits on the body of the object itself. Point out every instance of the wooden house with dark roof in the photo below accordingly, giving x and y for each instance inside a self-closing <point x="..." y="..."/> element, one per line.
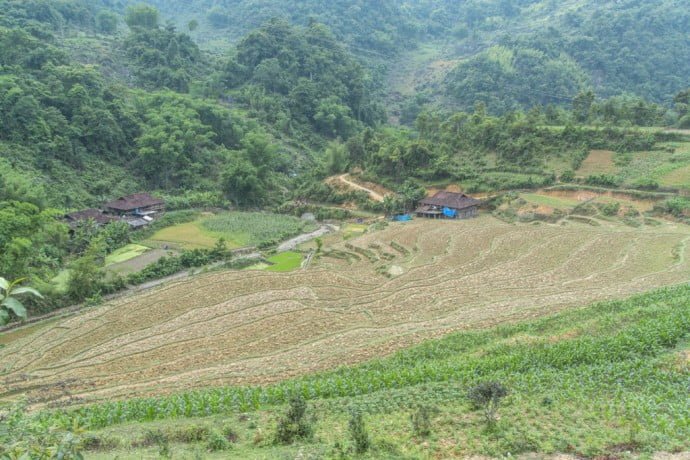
<point x="139" y="204"/>
<point x="99" y="217"/>
<point x="448" y="205"/>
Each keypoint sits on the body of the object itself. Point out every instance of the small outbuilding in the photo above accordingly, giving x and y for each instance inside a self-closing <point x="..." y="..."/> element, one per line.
<point x="448" y="205"/>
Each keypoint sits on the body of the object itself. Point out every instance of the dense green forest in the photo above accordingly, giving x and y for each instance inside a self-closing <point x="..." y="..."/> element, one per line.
<point x="617" y="48"/>
<point x="511" y="53"/>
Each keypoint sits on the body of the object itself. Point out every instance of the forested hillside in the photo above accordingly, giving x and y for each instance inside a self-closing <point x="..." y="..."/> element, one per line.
<point x="631" y="47"/>
<point x="85" y="131"/>
<point x="510" y="54"/>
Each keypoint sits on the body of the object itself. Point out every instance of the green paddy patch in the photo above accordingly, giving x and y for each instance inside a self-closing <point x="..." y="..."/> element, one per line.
<point x="126" y="253"/>
<point x="238" y="229"/>
<point x="285" y="262"/>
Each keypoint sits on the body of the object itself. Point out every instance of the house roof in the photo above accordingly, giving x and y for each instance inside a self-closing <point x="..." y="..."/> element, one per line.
<point x="87" y="214"/>
<point x="451" y="200"/>
<point x="132" y="202"/>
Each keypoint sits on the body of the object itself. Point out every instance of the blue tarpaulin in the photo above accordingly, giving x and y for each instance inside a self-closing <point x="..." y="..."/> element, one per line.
<point x="402" y="218"/>
<point x="449" y="212"/>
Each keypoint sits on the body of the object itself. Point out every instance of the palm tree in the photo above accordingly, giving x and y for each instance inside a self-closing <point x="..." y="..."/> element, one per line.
<point x="9" y="302"/>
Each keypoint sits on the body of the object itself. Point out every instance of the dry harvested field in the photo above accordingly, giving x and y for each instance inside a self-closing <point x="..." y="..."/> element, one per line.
<point x="366" y="296"/>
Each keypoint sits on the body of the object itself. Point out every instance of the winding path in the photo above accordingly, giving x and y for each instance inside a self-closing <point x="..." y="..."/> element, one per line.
<point x="372" y="194"/>
<point x="291" y="245"/>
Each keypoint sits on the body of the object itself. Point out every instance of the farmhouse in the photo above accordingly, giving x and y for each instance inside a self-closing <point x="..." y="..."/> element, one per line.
<point x="448" y="205"/>
<point x="99" y="217"/>
<point x="138" y="205"/>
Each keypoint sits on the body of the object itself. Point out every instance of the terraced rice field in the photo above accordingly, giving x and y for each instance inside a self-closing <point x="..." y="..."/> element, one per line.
<point x="364" y="297"/>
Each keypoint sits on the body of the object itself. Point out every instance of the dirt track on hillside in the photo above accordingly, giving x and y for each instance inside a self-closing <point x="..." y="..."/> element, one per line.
<point x="345" y="180"/>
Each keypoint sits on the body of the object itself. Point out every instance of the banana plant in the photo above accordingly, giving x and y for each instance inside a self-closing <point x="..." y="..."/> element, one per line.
<point x="9" y="302"/>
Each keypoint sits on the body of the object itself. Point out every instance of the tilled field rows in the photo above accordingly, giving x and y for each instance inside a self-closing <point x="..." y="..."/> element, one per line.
<point x="241" y="327"/>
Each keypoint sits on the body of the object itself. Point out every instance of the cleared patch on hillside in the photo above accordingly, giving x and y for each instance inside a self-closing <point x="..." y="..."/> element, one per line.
<point x="598" y="162"/>
<point x="258" y="327"/>
<point x="347" y="182"/>
<point x="679" y="178"/>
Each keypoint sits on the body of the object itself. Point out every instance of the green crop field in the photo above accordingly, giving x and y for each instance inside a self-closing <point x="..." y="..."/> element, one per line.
<point x="285" y="262"/>
<point x="189" y="235"/>
<point x="598" y="162"/>
<point x="125" y="253"/>
<point x="255" y="228"/>
<point x="239" y="229"/>
<point x="677" y="178"/>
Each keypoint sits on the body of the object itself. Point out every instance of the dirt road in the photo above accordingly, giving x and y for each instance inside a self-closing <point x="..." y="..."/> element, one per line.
<point x="292" y="244"/>
<point x="372" y="194"/>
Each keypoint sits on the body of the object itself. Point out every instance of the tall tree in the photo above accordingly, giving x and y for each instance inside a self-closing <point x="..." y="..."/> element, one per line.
<point x="143" y="16"/>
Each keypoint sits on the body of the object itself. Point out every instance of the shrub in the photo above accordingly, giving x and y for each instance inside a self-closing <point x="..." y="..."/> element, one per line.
<point x="567" y="176"/>
<point x="603" y="180"/>
<point x="610" y="209"/>
<point x="191" y="434"/>
<point x="677" y="206"/>
<point x="421" y="421"/>
<point x="295" y="424"/>
<point x="160" y="439"/>
<point x="358" y="432"/>
<point x="217" y="442"/>
<point x="230" y="433"/>
<point x="684" y="123"/>
<point x="487" y="396"/>
<point x="646" y="184"/>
